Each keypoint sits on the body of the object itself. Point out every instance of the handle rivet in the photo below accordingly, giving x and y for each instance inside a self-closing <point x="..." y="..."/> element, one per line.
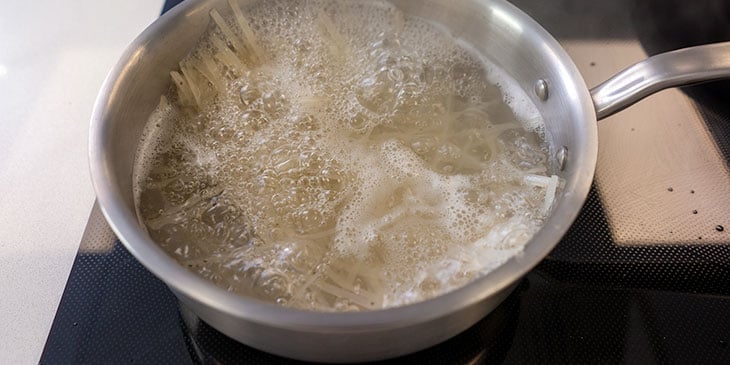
<point x="562" y="157"/>
<point x="541" y="89"/>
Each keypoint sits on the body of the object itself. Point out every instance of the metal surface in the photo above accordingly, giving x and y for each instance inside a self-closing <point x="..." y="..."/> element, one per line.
<point x="541" y="89"/>
<point x="681" y="67"/>
<point x="511" y="39"/>
<point x="562" y="157"/>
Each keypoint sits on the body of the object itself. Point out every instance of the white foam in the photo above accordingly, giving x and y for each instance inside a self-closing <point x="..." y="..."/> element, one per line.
<point x="319" y="158"/>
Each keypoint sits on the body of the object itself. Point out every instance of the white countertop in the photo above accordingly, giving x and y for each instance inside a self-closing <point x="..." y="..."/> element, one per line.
<point x="54" y="56"/>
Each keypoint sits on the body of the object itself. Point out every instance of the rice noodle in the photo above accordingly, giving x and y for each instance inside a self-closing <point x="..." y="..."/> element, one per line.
<point x="227" y="32"/>
<point x="192" y="84"/>
<point x="208" y="68"/>
<point x="249" y="38"/>
<point x="227" y="57"/>
<point x="550" y="184"/>
<point x="183" y="89"/>
<point x="550" y="190"/>
<point x="338" y="292"/>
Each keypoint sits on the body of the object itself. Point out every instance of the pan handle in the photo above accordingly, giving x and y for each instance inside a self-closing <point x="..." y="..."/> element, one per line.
<point x="676" y="68"/>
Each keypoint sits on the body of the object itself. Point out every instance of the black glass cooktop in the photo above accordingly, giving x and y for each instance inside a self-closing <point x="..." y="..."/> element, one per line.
<point x="594" y="299"/>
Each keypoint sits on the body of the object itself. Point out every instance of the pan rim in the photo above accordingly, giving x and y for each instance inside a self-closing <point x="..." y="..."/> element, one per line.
<point x="183" y="282"/>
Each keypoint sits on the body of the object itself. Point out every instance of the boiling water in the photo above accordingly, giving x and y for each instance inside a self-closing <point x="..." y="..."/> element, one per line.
<point x="340" y="156"/>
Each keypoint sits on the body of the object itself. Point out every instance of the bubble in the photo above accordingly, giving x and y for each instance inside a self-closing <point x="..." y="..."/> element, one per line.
<point x="273" y="285"/>
<point x="275" y="103"/>
<point x="422" y="145"/>
<point x="215" y="215"/>
<point x="254" y="120"/>
<point x="375" y="93"/>
<point x="306" y="123"/>
<point x="249" y="94"/>
<point x="358" y="123"/>
<point x="302" y="45"/>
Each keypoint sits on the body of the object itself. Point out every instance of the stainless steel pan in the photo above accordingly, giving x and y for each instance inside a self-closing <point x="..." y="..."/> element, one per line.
<point x="498" y="30"/>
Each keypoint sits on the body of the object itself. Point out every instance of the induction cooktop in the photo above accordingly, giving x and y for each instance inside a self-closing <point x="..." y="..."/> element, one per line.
<point x="643" y="276"/>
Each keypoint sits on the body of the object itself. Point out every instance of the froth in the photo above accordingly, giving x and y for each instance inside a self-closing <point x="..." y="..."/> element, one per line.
<point x="361" y="159"/>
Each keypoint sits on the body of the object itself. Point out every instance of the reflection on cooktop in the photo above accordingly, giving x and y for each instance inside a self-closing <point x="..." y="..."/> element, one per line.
<point x="670" y="24"/>
<point x="666" y="157"/>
